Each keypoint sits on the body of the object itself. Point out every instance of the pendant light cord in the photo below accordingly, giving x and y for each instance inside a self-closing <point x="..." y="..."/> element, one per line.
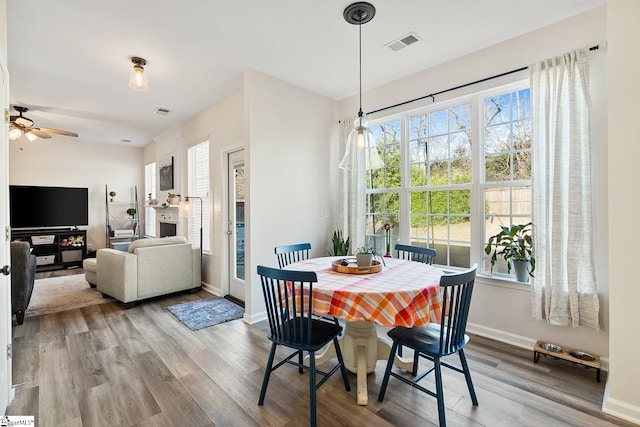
<point x="360" y="56"/>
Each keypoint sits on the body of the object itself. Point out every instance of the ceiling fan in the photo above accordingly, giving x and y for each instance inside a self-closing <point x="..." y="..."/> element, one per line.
<point x="23" y="125"/>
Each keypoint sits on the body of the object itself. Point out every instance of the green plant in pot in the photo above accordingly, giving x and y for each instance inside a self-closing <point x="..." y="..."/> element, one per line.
<point x="340" y="245"/>
<point x="515" y="245"/>
<point x="131" y="212"/>
<point x="365" y="255"/>
<point x="112" y="194"/>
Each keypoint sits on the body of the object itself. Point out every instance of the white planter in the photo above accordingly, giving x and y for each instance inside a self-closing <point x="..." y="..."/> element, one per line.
<point x="364" y="260"/>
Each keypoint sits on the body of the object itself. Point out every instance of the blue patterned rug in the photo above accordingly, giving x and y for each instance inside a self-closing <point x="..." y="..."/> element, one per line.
<point x="207" y="312"/>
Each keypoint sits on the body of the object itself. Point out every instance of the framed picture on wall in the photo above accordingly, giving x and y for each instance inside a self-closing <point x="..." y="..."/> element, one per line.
<point x="166" y="173"/>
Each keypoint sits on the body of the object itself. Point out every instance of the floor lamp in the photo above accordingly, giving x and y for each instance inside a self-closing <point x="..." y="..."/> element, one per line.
<point x="187" y="204"/>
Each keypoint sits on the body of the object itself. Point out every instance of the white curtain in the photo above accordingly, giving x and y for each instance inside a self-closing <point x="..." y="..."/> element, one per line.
<point x="564" y="290"/>
<point x="352" y="200"/>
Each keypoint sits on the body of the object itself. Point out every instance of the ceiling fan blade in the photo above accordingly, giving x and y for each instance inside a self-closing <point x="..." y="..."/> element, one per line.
<point x="59" y="132"/>
<point x="39" y="133"/>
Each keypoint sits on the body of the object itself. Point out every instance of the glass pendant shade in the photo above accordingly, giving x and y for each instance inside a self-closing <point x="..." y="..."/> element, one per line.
<point x="138" y="79"/>
<point x="31" y="136"/>
<point x="361" y="152"/>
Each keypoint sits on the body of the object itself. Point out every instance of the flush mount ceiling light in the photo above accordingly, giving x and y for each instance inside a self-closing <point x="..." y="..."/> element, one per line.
<point x="138" y="78"/>
<point x="361" y="151"/>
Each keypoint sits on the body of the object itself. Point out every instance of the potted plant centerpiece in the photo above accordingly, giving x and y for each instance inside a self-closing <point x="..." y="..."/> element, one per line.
<point x="365" y="255"/>
<point x="131" y="212"/>
<point x="515" y="245"/>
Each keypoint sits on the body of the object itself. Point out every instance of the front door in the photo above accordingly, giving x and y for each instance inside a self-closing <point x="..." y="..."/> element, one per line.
<point x="5" y="282"/>
<point x="236" y="225"/>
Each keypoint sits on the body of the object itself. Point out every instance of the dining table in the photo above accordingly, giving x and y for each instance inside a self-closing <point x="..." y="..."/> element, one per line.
<point x="402" y="293"/>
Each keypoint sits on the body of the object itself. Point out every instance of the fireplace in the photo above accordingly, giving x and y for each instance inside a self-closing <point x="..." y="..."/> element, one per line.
<point x="167" y="229"/>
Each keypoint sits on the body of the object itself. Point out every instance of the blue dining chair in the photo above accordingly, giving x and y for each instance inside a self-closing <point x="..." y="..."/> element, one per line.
<point x="417" y="254"/>
<point x="437" y="340"/>
<point x="286" y="296"/>
<point x="288" y="254"/>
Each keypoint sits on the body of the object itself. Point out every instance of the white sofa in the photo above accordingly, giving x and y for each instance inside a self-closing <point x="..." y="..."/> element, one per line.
<point x="150" y="267"/>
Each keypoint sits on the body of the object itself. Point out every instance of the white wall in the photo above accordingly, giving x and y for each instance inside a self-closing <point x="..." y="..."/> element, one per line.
<point x="290" y="131"/>
<point x="223" y="126"/>
<point x="622" y="397"/>
<point x="71" y="162"/>
<point x="503" y="312"/>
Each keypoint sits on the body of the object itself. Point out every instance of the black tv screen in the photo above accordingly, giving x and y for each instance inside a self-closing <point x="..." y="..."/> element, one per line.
<point x="36" y="207"/>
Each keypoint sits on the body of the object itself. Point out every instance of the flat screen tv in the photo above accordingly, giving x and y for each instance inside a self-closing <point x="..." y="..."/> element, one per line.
<point x="39" y="207"/>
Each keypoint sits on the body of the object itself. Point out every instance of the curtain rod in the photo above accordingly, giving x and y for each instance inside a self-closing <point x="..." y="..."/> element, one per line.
<point x="432" y="95"/>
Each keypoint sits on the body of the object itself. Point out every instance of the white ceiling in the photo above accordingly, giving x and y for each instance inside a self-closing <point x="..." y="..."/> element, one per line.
<point x="69" y="60"/>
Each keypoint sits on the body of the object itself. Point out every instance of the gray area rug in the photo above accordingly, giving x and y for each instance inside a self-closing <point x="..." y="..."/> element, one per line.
<point x="201" y="314"/>
<point x="56" y="294"/>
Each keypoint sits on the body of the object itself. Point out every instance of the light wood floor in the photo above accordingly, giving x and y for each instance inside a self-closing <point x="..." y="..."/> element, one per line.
<point x="105" y="366"/>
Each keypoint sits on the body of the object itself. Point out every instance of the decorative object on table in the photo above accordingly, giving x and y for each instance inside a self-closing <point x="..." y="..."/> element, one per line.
<point x="131" y="212"/>
<point x="201" y="314"/>
<point x="112" y="194"/>
<point x="149" y="198"/>
<point x="515" y="245"/>
<point x="173" y="199"/>
<point x="387" y="238"/>
<point x="364" y="256"/>
<point x="340" y="245"/>
<point x="166" y="173"/>
<point x="361" y="152"/>
<point x="350" y="266"/>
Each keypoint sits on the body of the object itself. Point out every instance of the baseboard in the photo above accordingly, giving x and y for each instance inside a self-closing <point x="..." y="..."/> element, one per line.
<point x="255" y="318"/>
<point x="502" y="336"/>
<point x="214" y="291"/>
<point x="620" y="409"/>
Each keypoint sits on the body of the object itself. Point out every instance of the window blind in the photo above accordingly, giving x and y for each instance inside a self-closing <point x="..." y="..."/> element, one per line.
<point x="198" y="185"/>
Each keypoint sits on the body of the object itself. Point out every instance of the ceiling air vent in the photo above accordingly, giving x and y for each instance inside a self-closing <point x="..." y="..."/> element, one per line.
<point x="403" y="42"/>
<point x="161" y="111"/>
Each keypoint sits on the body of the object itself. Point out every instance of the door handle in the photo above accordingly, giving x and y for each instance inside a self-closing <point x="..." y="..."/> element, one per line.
<point x="6" y="270"/>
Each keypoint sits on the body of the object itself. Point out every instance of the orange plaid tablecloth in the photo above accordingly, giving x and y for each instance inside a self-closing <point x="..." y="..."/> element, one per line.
<point x="404" y="293"/>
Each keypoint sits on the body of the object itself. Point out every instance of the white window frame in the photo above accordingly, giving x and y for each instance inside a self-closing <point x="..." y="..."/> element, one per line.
<point x="478" y="185"/>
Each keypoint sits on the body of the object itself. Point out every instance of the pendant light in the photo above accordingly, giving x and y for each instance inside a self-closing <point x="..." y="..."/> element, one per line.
<point x="138" y="78"/>
<point x="361" y="152"/>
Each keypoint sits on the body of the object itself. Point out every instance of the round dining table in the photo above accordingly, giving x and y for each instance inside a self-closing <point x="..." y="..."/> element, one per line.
<point x="403" y="293"/>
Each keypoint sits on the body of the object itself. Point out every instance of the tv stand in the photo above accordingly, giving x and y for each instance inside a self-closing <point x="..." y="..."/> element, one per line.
<point x="55" y="249"/>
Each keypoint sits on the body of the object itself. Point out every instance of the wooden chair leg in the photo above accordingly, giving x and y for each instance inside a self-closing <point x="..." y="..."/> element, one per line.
<point x="416" y="362"/>
<point x="345" y="377"/>
<point x="300" y="361"/>
<point x="387" y="371"/>
<point x="267" y="374"/>
<point x="467" y="376"/>
<point x="439" y="392"/>
<point x="312" y="388"/>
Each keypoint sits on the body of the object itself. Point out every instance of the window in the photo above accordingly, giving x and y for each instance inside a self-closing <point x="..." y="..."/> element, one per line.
<point x="437" y="190"/>
<point x="198" y="186"/>
<point x="150" y="194"/>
